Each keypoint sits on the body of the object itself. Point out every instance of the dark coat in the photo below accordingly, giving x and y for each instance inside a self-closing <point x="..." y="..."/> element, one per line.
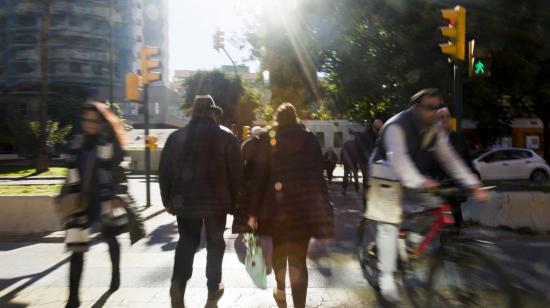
<point x="240" y="217"/>
<point x="289" y="194"/>
<point x="460" y="145"/>
<point x="107" y="179"/>
<point x="200" y="170"/>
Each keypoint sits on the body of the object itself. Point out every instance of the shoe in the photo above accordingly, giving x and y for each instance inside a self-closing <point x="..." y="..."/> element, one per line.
<point x="279" y="295"/>
<point x="215" y="295"/>
<point x="176" y="296"/>
<point x="389" y="289"/>
<point x="115" y="283"/>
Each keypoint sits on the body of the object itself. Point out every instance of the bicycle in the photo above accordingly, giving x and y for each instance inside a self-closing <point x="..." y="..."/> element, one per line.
<point x="459" y="272"/>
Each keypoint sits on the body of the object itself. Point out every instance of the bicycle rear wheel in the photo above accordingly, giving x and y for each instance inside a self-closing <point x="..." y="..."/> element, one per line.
<point x="366" y="251"/>
<point x="464" y="276"/>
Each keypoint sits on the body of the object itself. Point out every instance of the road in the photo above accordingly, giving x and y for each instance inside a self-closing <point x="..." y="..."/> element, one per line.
<point x="35" y="274"/>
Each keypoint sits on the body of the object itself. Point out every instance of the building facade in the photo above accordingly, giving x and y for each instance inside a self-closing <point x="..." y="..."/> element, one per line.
<point x="91" y="44"/>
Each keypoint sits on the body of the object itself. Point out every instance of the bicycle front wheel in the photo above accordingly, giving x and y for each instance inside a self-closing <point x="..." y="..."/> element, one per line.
<point x="464" y="276"/>
<point x="367" y="252"/>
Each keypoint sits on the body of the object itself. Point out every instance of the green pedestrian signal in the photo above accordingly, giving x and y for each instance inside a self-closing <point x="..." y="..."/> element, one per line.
<point x="479" y="68"/>
<point x="479" y="61"/>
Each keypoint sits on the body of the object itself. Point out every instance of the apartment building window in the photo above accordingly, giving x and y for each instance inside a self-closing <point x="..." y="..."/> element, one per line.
<point x="75" y="67"/>
<point x="26" y="21"/>
<point x="52" y="68"/>
<point x="25" y="39"/>
<point x="139" y="39"/>
<point x="338" y="139"/>
<point x="97" y="69"/>
<point x="25" y="67"/>
<point x="321" y="138"/>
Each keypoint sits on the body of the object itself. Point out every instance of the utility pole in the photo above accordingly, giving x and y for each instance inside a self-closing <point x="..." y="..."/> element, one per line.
<point x="148" y="76"/>
<point x="42" y="162"/>
<point x="219" y="44"/>
<point x="111" y="56"/>
<point x="455" y="48"/>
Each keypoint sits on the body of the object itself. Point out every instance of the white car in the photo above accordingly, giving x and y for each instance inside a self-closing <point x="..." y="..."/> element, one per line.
<point x="511" y="164"/>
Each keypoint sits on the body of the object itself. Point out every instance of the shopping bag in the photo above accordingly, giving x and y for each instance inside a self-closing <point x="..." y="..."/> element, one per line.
<point x="254" y="260"/>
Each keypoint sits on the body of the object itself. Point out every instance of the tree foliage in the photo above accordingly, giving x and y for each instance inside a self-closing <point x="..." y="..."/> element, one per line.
<point x="238" y="101"/>
<point x="24" y="134"/>
<point x="225" y="91"/>
<point x="375" y="54"/>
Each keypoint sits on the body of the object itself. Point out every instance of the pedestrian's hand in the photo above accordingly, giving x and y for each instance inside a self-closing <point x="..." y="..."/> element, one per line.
<point x="480" y="194"/>
<point x="430" y="184"/>
<point x="168" y="210"/>
<point x="253" y="222"/>
<point x="117" y="203"/>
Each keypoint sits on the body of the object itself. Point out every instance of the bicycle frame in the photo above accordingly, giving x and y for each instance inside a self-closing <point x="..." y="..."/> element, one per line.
<point x="444" y="217"/>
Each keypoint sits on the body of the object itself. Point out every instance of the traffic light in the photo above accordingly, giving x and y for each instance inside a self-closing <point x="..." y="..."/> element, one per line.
<point x="455" y="31"/>
<point x="479" y="61"/>
<point x="151" y="142"/>
<point x="218" y="40"/>
<point x="133" y="87"/>
<point x="148" y="64"/>
<point x="246" y="132"/>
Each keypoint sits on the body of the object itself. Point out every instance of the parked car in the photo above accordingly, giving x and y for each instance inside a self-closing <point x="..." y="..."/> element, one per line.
<point x="511" y="164"/>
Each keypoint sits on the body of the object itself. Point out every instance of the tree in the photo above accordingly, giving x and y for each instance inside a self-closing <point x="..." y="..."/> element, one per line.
<point x="65" y="103"/>
<point x="225" y="91"/>
<point x="25" y="135"/>
<point x="42" y="162"/>
<point x="284" y="49"/>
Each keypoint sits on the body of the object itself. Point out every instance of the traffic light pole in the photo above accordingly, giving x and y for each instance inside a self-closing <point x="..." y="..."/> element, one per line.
<point x="458" y="107"/>
<point x="147" y="148"/>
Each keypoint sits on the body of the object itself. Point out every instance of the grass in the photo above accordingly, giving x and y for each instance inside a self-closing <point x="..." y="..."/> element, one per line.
<point x="15" y="171"/>
<point x="29" y="190"/>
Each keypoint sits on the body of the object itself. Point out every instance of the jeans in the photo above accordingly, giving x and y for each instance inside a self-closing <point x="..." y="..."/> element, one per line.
<point x="190" y="236"/>
<point x="295" y="252"/>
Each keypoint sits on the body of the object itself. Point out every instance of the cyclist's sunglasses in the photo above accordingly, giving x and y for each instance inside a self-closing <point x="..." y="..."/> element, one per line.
<point x="431" y="107"/>
<point x="90" y="120"/>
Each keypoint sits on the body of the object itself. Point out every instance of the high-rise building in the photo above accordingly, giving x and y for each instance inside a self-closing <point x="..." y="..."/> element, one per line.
<point x="91" y="44"/>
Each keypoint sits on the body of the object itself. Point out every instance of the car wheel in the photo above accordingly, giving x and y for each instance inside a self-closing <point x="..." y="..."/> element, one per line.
<point x="538" y="176"/>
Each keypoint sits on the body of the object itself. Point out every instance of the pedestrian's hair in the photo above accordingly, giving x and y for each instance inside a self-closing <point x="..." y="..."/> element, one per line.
<point x="429" y="92"/>
<point x="109" y="118"/>
<point x="286" y="115"/>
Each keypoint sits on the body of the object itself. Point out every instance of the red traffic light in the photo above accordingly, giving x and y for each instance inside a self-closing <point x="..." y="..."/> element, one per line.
<point x="452" y="22"/>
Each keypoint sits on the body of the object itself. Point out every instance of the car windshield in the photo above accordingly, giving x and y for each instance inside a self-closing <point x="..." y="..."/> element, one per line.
<point x="477" y="154"/>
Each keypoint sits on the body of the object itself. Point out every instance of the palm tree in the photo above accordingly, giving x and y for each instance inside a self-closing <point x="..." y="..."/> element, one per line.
<point x="42" y="163"/>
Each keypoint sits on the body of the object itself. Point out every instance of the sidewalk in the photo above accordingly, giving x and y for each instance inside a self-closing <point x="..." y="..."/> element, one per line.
<point x="35" y="274"/>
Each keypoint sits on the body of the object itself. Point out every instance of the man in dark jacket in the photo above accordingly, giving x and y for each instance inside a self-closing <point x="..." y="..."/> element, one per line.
<point x="457" y="141"/>
<point x="199" y="176"/>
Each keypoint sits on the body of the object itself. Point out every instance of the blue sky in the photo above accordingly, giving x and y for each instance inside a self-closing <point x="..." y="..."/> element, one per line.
<point x="192" y="25"/>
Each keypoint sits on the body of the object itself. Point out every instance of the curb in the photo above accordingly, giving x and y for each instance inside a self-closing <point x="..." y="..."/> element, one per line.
<point x="58" y="236"/>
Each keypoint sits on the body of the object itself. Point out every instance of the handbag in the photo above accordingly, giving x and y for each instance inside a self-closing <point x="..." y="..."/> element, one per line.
<point x="254" y="260"/>
<point x="385" y="194"/>
<point x="70" y="203"/>
<point x="136" y="227"/>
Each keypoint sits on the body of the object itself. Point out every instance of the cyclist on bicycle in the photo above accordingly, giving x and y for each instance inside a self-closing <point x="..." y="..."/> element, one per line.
<point x="411" y="145"/>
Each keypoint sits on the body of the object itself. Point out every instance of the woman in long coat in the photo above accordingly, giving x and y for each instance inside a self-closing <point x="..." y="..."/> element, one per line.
<point x="94" y="172"/>
<point x="289" y="199"/>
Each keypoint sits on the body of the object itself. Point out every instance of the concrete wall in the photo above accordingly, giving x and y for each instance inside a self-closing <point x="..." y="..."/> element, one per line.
<point x="511" y="209"/>
<point x="138" y="160"/>
<point x="28" y="214"/>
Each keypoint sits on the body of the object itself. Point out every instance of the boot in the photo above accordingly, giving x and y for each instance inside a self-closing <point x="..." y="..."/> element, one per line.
<point x="115" y="280"/>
